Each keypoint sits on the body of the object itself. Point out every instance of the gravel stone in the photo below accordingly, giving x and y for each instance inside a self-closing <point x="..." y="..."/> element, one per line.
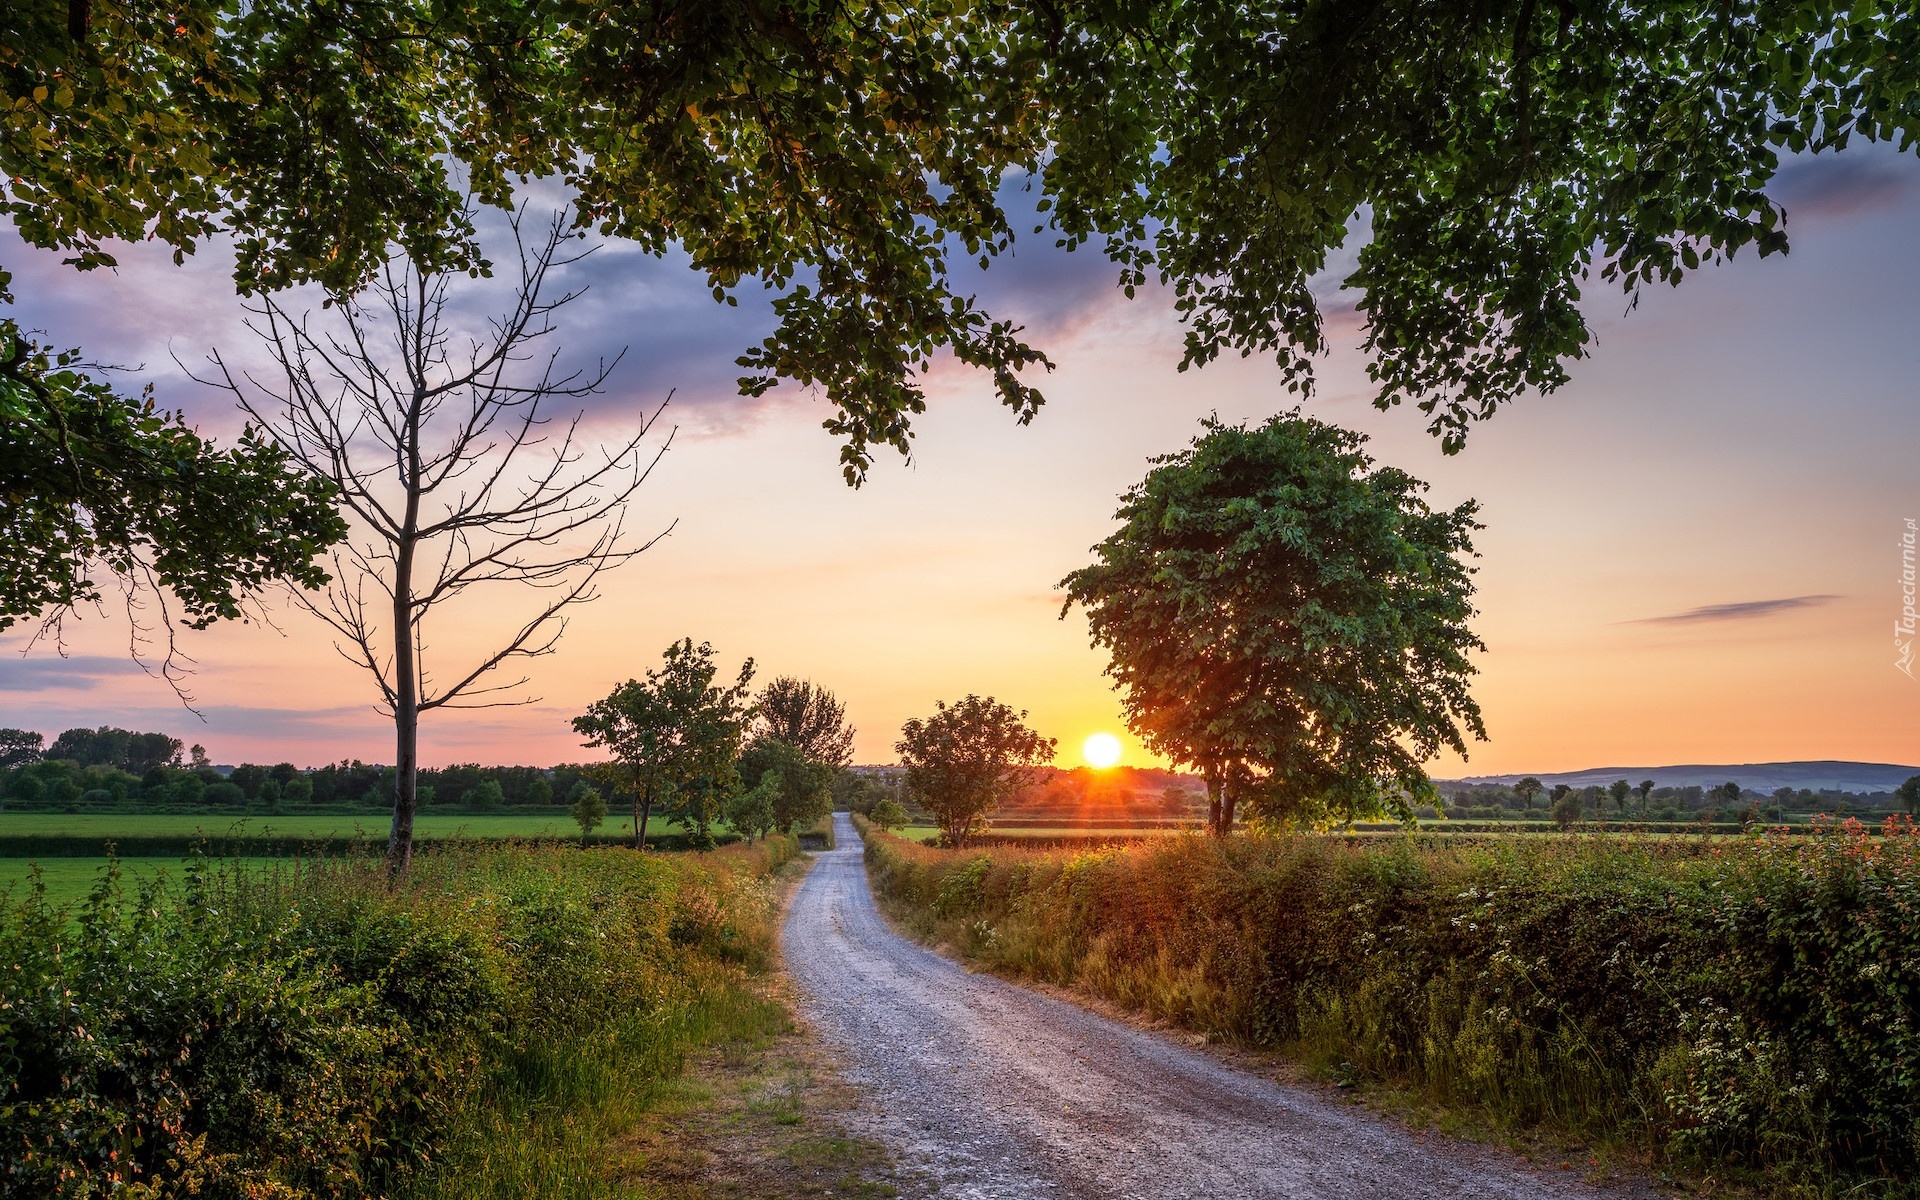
<point x="991" y="1091"/>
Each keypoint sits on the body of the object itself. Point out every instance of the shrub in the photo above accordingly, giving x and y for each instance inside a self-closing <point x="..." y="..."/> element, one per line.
<point x="309" y="1031"/>
<point x="1747" y="1000"/>
<point x="224" y="794"/>
<point x="486" y="796"/>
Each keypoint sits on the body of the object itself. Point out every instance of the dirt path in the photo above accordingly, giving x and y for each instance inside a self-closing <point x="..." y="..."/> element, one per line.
<point x="989" y="1090"/>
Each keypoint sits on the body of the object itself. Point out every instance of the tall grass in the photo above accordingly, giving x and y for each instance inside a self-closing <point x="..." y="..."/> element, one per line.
<point x="1745" y="1001"/>
<point x="308" y="1030"/>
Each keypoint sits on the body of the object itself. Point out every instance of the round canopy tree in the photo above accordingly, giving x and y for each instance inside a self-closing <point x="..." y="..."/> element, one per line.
<point x="1289" y="622"/>
<point x="968" y="757"/>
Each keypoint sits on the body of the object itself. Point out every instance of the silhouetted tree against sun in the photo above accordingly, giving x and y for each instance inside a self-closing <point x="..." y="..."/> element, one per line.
<point x="1288" y="621"/>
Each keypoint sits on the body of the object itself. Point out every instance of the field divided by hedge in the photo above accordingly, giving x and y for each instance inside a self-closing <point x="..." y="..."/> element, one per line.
<point x="308" y="1030"/>
<point x="1745" y="1002"/>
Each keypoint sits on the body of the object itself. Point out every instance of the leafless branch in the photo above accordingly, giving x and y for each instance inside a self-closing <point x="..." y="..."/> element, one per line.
<point x="452" y="467"/>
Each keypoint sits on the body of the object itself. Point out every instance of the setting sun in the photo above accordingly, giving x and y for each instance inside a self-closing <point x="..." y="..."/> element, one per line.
<point x="1101" y="750"/>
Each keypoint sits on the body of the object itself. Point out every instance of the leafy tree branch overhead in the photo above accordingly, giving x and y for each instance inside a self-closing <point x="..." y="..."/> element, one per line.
<point x="1504" y="153"/>
<point x="99" y="486"/>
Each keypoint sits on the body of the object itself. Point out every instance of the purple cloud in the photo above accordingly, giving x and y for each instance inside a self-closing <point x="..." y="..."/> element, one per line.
<point x="1743" y="610"/>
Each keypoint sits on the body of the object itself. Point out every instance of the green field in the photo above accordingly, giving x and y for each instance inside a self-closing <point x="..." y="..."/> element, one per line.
<point x="371" y="825"/>
<point x="69" y="879"/>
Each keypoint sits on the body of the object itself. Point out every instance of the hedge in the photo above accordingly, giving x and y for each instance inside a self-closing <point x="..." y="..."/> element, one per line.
<point x="1746" y="1001"/>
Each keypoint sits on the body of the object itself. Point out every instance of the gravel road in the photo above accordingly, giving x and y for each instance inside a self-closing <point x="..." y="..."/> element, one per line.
<point x="989" y="1090"/>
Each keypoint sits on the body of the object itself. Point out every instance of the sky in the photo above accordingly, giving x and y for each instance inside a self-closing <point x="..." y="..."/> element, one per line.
<point x="1691" y="553"/>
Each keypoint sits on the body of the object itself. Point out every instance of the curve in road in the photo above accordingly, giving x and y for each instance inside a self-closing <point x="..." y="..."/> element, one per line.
<point x="990" y="1091"/>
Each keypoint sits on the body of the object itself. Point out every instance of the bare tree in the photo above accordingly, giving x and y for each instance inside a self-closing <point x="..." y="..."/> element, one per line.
<point x="454" y="477"/>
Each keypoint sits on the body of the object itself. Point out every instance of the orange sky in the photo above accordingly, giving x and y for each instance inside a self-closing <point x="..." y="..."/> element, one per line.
<point x="1744" y="439"/>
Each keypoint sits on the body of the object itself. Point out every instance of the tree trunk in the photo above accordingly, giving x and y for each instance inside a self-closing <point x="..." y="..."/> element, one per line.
<point x="1214" y="791"/>
<point x="406" y="760"/>
<point x="406" y="715"/>
<point x="406" y="675"/>
<point x="1227" y="803"/>
<point x="640" y="828"/>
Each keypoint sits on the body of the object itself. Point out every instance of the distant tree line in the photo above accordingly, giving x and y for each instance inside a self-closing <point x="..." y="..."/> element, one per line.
<point x="108" y="768"/>
<point x="1622" y="800"/>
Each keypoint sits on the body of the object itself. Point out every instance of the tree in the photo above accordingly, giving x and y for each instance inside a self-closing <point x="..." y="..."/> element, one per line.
<point x="888" y="815"/>
<point x="540" y="792"/>
<point x="187" y="788"/>
<point x="1495" y="159"/>
<point x="1646" y="791"/>
<point x="485" y="796"/>
<point x="1528" y="789"/>
<point x="1566" y="806"/>
<point x="855" y="792"/>
<point x="19" y="747"/>
<point x="1620" y="789"/>
<point x="802" y="786"/>
<point x="589" y="808"/>
<point x="1908" y="794"/>
<point x="454" y="480"/>
<point x="750" y="810"/>
<point x="965" y="759"/>
<point x="97" y="486"/>
<point x="1727" y="793"/>
<point x="673" y="736"/>
<point x="298" y="790"/>
<point x="1288" y="622"/>
<point x="135" y="753"/>
<point x="808" y="718"/>
<point x="855" y="148"/>
<point x="1496" y="155"/>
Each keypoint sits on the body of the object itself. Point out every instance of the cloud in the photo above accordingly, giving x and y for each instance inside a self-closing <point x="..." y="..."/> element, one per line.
<point x="1851" y="184"/>
<point x="82" y="672"/>
<point x="1741" y="611"/>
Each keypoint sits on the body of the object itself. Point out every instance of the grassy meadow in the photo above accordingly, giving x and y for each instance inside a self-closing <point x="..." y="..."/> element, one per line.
<point x="490" y="1026"/>
<point x="68" y="880"/>
<point x="547" y="824"/>
<point x="1739" y="1006"/>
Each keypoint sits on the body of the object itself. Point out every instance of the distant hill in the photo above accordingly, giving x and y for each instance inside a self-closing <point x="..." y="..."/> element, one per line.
<point x="1826" y="775"/>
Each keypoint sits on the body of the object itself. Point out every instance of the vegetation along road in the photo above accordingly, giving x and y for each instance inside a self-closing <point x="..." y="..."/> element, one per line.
<point x="992" y="1090"/>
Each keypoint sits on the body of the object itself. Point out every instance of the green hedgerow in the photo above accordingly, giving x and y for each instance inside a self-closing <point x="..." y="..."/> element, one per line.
<point x="312" y="1030"/>
<point x="1747" y="1000"/>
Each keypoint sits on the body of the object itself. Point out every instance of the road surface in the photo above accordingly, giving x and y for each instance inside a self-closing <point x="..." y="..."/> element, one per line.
<point x="990" y="1091"/>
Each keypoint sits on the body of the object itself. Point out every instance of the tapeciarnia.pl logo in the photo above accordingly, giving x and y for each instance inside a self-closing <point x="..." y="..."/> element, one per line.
<point x="1904" y="628"/>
